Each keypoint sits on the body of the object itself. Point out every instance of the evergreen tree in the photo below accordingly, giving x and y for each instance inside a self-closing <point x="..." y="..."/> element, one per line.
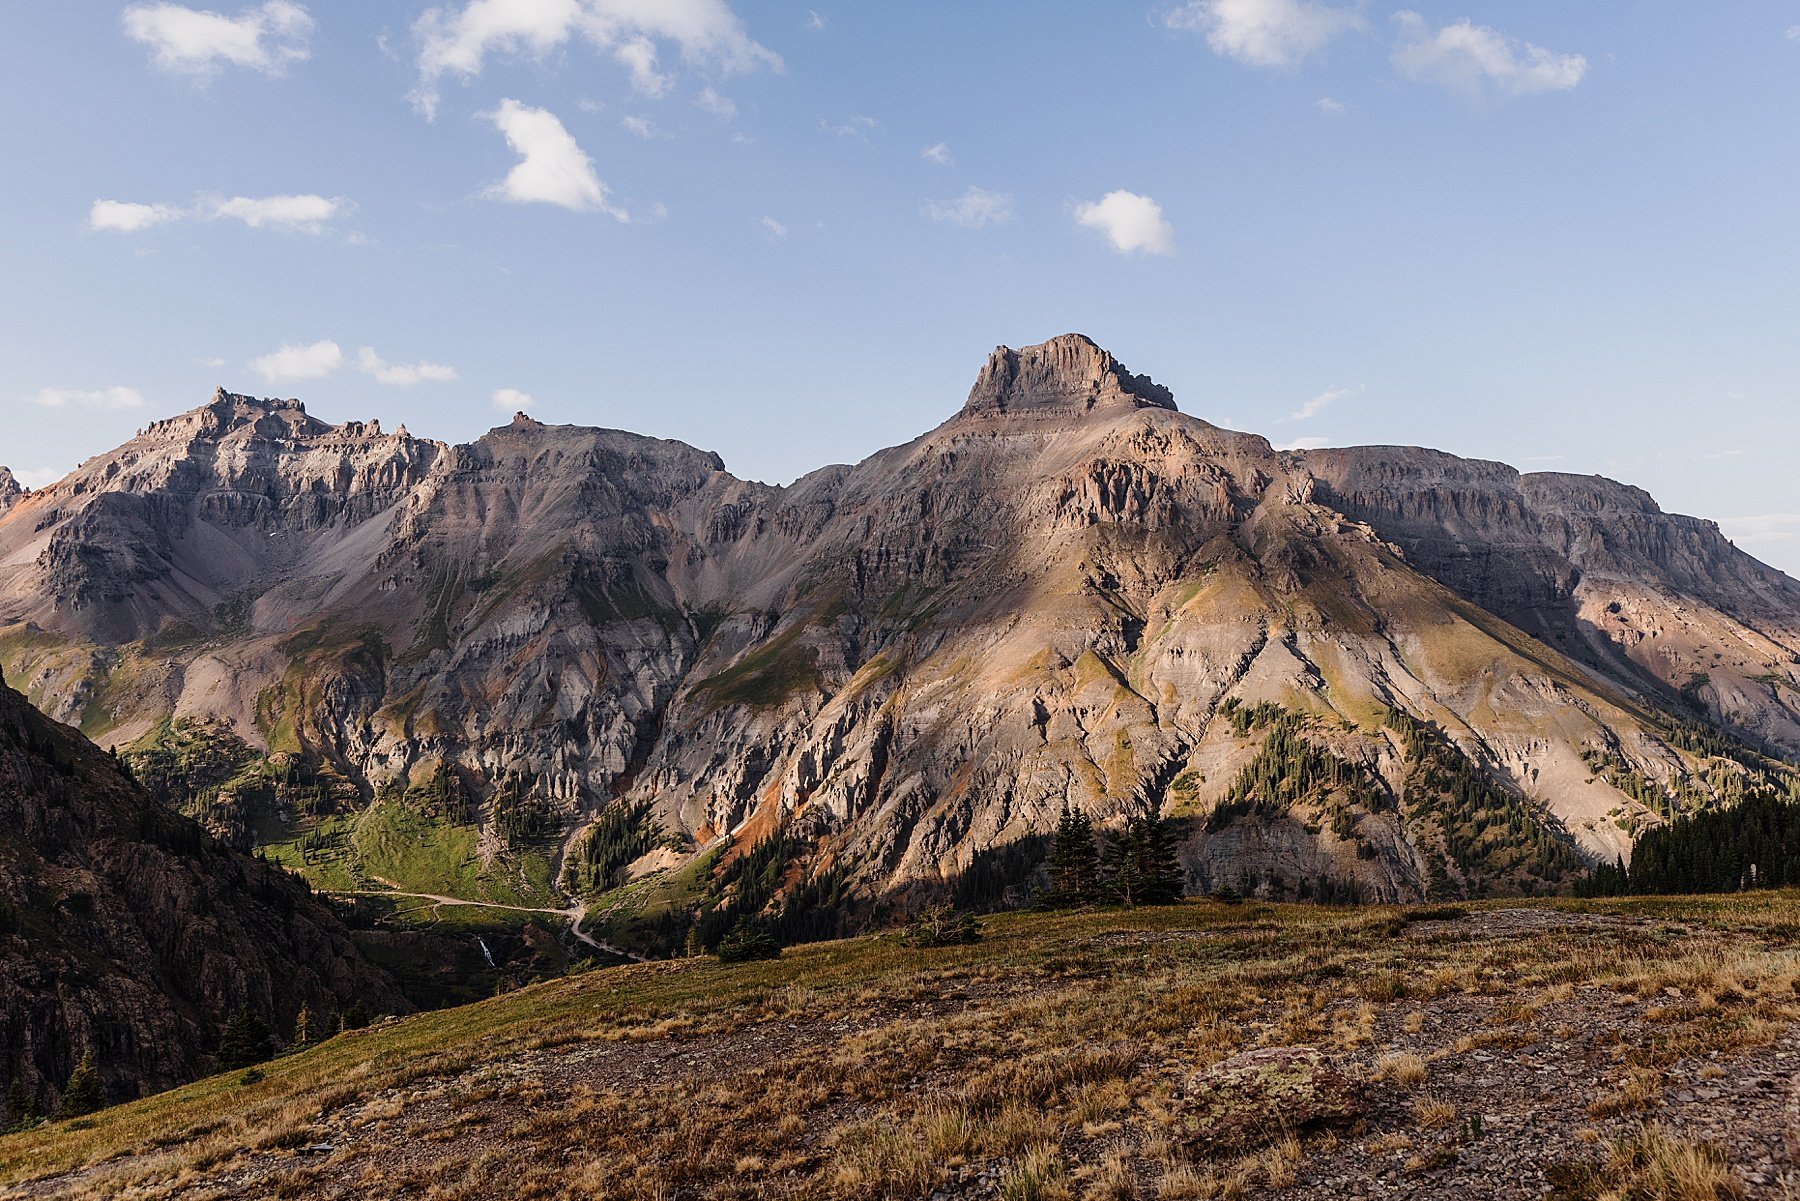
<point x="21" y="1107"/>
<point x="746" y="942"/>
<point x="355" y="1017"/>
<point x="303" y="1027"/>
<point x="82" y="1093"/>
<point x="1120" y="865"/>
<point x="1074" y="861"/>
<point x="940" y="925"/>
<point x="1164" y="879"/>
<point x="245" y="1040"/>
<point x="1141" y="866"/>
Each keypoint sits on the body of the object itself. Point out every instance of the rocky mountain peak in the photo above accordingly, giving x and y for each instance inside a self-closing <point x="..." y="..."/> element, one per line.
<point x="9" y="489"/>
<point x="1069" y="374"/>
<point x="228" y="412"/>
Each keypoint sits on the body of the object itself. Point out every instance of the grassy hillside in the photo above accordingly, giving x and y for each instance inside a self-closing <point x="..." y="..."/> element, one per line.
<point x="1631" y="1048"/>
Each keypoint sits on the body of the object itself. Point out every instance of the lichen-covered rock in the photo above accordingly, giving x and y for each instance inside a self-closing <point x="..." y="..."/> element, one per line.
<point x="1256" y="1097"/>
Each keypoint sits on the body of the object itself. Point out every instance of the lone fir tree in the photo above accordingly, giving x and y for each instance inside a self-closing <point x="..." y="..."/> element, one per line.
<point x="82" y="1094"/>
<point x="21" y="1107"/>
<point x="245" y="1040"/>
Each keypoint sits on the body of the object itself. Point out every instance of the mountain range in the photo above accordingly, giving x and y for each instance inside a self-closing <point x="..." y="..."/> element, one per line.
<point x="571" y="659"/>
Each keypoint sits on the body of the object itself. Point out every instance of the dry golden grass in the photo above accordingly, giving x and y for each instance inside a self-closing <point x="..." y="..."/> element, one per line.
<point x="1405" y="1068"/>
<point x="1052" y="1057"/>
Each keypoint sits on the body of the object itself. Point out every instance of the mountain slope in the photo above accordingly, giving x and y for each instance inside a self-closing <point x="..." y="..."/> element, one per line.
<point x="126" y="931"/>
<point x="1069" y="592"/>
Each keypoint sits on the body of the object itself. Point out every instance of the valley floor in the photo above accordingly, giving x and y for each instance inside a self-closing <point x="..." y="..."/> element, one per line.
<point x="1640" y="1048"/>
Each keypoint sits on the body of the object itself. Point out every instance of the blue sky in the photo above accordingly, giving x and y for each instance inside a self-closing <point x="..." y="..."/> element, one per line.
<point x="1559" y="235"/>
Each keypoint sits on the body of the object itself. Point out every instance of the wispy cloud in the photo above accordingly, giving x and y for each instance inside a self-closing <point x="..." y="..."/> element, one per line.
<point x="974" y="209"/>
<point x="1478" y="62"/>
<point x="1307" y="443"/>
<point x="1767" y="527"/>
<point x="266" y="38"/>
<point x="458" y="39"/>
<point x="1328" y="106"/>
<point x="116" y="397"/>
<point x="121" y="216"/>
<point x="39" y="477"/>
<point x="1134" y="224"/>
<point x="939" y="154"/>
<point x="294" y="361"/>
<point x="849" y="127"/>
<point x="305" y="213"/>
<point x="511" y="399"/>
<point x="1264" y="33"/>
<point x="722" y="107"/>
<point x="814" y="21"/>
<point x="402" y="375"/>
<point x="551" y="169"/>
<point x="774" y="228"/>
<point x="1324" y="400"/>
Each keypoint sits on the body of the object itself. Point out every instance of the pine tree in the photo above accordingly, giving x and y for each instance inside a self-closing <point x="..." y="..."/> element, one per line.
<point x="1119" y="865"/>
<point x="303" y="1027"/>
<point x="1164" y="880"/>
<point x="21" y="1107"/>
<point x="245" y="1040"/>
<point x="357" y="1016"/>
<point x="1074" y="861"/>
<point x="82" y="1094"/>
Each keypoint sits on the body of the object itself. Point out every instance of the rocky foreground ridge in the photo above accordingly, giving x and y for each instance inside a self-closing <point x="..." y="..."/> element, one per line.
<point x="1374" y="671"/>
<point x="129" y="933"/>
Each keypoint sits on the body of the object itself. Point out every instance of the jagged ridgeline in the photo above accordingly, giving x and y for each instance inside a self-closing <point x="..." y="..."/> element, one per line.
<point x="563" y="662"/>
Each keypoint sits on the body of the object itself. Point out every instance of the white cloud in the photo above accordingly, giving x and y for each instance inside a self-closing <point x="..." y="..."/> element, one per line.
<point x="939" y="154"/>
<point x="552" y="169"/>
<point x="1308" y="443"/>
<point x="39" y="477"/>
<point x="719" y="106"/>
<point x="973" y="209"/>
<point x="293" y="362"/>
<point x="1793" y="33"/>
<point x="1265" y="33"/>
<point x="639" y="126"/>
<point x="638" y="57"/>
<point x="210" y="362"/>
<point x="815" y="22"/>
<point x="1318" y="404"/>
<point x="775" y="228"/>
<point x="1476" y="61"/>
<point x="1130" y="222"/>
<point x="196" y="42"/>
<point x="511" y="399"/>
<point x="101" y="398"/>
<point x="124" y="217"/>
<point x="1768" y="527"/>
<point x="402" y="375"/>
<point x="303" y="214"/>
<point x="1328" y="106"/>
<point x="849" y="127"/>
<point x="457" y="40"/>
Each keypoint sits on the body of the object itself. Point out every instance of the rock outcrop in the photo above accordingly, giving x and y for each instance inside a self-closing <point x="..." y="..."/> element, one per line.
<point x="1060" y="595"/>
<point x="126" y="932"/>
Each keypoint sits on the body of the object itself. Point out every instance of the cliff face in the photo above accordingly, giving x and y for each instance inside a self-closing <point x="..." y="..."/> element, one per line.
<point x="1060" y="595"/>
<point x="1661" y="602"/>
<point x="126" y="931"/>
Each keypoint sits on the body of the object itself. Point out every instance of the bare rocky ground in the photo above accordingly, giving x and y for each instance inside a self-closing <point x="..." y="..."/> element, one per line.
<point x="1634" y="1050"/>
